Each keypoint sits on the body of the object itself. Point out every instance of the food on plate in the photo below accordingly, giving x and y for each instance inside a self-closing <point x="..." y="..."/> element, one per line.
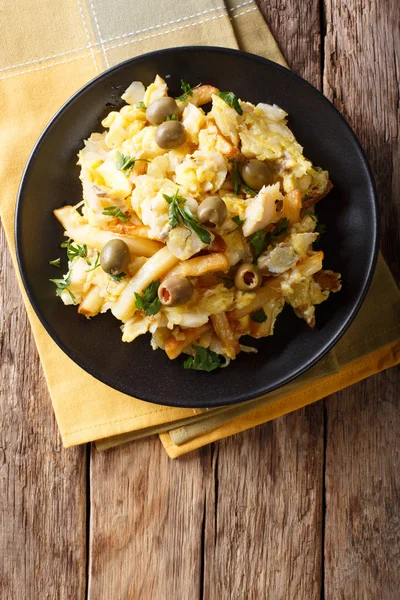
<point x="195" y="226"/>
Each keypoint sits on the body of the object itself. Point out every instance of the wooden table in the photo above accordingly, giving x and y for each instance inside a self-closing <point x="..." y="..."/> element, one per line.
<point x="302" y="508"/>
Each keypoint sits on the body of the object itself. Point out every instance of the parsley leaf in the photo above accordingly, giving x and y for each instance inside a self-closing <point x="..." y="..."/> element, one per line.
<point x="124" y="162"/>
<point x="178" y="211"/>
<point x="238" y="181"/>
<point x="260" y="239"/>
<point x="172" y="118"/>
<point x="140" y="105"/>
<point x="257" y="240"/>
<point x="281" y="227"/>
<point x="96" y="263"/>
<point x="55" y="262"/>
<point x="118" y="277"/>
<point x="114" y="211"/>
<point x="232" y="100"/>
<point x="62" y="284"/>
<point x="149" y="301"/>
<point x="187" y="90"/>
<point x="74" y="250"/>
<point x="239" y="222"/>
<point x="204" y="360"/>
<point x="259" y="316"/>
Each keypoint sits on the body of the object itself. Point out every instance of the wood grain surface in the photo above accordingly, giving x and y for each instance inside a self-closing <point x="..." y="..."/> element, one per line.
<point x="305" y="507"/>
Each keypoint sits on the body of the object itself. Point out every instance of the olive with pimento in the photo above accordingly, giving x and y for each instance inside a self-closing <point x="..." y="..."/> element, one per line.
<point x="175" y="290"/>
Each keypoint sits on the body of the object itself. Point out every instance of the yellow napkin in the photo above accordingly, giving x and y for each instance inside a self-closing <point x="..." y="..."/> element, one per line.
<point x="49" y="51"/>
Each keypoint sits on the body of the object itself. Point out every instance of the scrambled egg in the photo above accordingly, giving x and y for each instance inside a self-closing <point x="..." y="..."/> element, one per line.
<point x="150" y="194"/>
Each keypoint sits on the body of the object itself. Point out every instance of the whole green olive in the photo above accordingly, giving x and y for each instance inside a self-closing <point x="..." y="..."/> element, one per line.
<point x="115" y="257"/>
<point x="212" y="210"/>
<point x="248" y="277"/>
<point x="160" y="109"/>
<point x="170" y="134"/>
<point x="257" y="174"/>
<point x="175" y="290"/>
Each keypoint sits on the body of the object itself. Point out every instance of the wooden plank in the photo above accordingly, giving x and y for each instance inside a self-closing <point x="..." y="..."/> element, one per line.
<point x="263" y="532"/>
<point x="147" y="522"/>
<point x="42" y="486"/>
<point x="362" y="535"/>
<point x="263" y="535"/>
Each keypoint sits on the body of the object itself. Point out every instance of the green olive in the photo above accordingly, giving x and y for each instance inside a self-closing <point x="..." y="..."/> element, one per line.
<point x="248" y="277"/>
<point x="115" y="257"/>
<point x="170" y="134"/>
<point x="175" y="290"/>
<point x="212" y="210"/>
<point x="257" y="174"/>
<point x="160" y="109"/>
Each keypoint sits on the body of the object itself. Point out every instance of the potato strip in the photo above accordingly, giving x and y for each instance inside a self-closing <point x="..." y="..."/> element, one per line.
<point x="92" y="303"/>
<point x="224" y="331"/>
<point x="270" y="290"/>
<point x="292" y="206"/>
<point x="96" y="238"/>
<point x="201" y="265"/>
<point x="174" y="347"/>
<point x="155" y="268"/>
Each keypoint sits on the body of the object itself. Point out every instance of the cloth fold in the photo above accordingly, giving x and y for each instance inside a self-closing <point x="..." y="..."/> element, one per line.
<point x="63" y="47"/>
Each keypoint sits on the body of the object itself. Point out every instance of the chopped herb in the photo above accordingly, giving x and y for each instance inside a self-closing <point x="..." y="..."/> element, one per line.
<point x="126" y="163"/>
<point x="187" y="90"/>
<point x="96" y="264"/>
<point x="239" y="222"/>
<point x="238" y="181"/>
<point x="118" y="277"/>
<point x="261" y="239"/>
<point x="114" y="211"/>
<point x="74" y="250"/>
<point x="149" y="301"/>
<point x="281" y="227"/>
<point x="204" y="360"/>
<point x="228" y="282"/>
<point x="62" y="284"/>
<point x="306" y="197"/>
<point x="259" y="316"/>
<point x="310" y="213"/>
<point x="55" y="262"/>
<point x="320" y="228"/>
<point x="178" y="211"/>
<point x="172" y="118"/>
<point x="232" y="100"/>
<point x="257" y="240"/>
<point x="140" y="105"/>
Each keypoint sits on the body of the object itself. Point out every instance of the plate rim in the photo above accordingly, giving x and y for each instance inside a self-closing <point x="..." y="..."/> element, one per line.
<point x="375" y="242"/>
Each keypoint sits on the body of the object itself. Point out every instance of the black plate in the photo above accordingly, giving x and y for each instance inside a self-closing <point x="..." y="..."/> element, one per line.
<point x="350" y="244"/>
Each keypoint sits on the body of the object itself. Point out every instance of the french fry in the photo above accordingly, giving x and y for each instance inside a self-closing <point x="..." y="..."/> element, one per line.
<point x="128" y="229"/>
<point x="155" y="268"/>
<point x="201" y="265"/>
<point x="224" y="331"/>
<point x="96" y="238"/>
<point x="270" y="290"/>
<point x="174" y="347"/>
<point x="260" y="330"/>
<point x="292" y="206"/>
<point x="203" y="94"/>
<point x="311" y="264"/>
<point x="92" y="303"/>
